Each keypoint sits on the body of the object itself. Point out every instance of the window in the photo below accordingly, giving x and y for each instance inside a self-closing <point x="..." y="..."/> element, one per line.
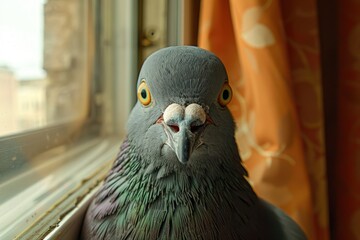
<point x="57" y="122"/>
<point x="67" y="83"/>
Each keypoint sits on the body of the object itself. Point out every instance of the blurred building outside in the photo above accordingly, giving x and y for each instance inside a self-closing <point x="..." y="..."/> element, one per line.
<point x="29" y="102"/>
<point x="22" y="102"/>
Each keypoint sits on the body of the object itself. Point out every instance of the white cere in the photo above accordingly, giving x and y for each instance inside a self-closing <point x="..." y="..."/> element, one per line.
<point x="173" y="112"/>
<point x="196" y="113"/>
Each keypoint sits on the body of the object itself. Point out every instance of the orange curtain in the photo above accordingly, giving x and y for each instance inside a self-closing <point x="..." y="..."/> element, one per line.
<point x="346" y="173"/>
<point x="272" y="54"/>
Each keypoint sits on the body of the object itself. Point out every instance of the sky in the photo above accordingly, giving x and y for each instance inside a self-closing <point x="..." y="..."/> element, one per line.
<point x="21" y="37"/>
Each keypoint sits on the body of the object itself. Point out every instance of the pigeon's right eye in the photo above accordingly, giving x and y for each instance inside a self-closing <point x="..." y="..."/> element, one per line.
<point x="143" y="94"/>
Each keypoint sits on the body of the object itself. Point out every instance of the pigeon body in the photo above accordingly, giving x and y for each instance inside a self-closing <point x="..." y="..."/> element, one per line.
<point x="178" y="174"/>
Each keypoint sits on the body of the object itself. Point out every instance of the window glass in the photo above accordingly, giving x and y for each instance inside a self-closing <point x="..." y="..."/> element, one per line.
<point x="46" y="59"/>
<point x="42" y="68"/>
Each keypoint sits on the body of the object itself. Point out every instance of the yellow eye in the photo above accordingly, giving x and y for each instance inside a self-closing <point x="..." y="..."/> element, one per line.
<point x="143" y="94"/>
<point x="225" y="95"/>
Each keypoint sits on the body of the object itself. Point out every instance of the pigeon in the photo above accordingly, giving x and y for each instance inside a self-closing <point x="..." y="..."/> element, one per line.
<point x="178" y="174"/>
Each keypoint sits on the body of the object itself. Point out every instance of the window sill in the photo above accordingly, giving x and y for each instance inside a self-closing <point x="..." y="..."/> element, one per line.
<point x="62" y="185"/>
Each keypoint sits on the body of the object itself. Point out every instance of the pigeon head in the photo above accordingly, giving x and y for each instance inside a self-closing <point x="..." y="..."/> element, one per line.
<point x="181" y="115"/>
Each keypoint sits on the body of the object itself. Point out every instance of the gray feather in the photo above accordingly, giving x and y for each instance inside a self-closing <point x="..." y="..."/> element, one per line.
<point x="276" y="224"/>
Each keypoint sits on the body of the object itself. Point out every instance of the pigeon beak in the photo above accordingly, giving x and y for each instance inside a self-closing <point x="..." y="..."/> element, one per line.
<point x="184" y="127"/>
<point x="183" y="144"/>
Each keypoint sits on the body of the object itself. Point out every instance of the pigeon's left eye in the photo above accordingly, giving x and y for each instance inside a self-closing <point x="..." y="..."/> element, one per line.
<point x="143" y="94"/>
<point x="225" y="95"/>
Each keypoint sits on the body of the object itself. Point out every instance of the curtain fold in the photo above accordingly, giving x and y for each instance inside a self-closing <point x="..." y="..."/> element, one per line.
<point x="347" y="165"/>
<point x="271" y="52"/>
